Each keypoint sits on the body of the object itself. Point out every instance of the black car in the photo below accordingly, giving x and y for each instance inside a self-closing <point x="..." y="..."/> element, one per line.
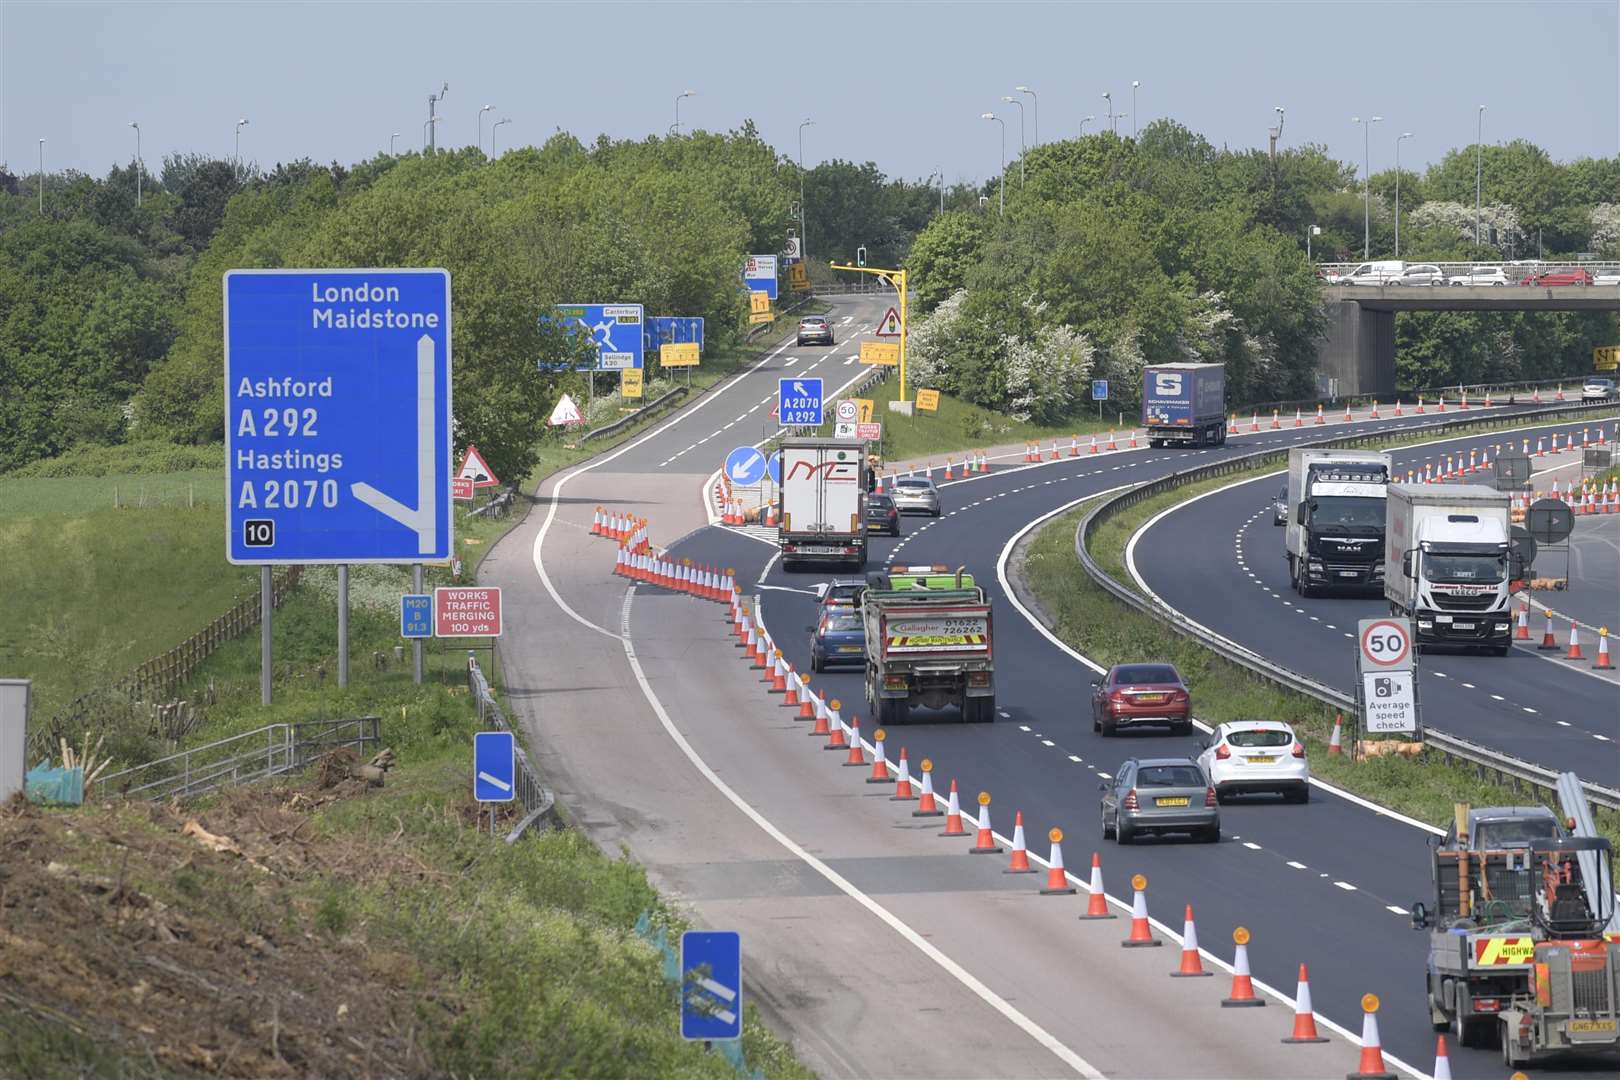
<point x="882" y="515"/>
<point x="1279" y="508"/>
<point x="815" y="328"/>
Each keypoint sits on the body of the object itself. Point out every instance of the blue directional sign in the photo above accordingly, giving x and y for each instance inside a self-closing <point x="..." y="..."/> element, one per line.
<point x="494" y="766"/>
<point x="798" y="402"/>
<point x="759" y="274"/>
<point x="672" y="330"/>
<point x="416" y="615"/>
<point x="711" y="985"/>
<point x="337" y="416"/>
<point x="1099" y="389"/>
<point x="773" y="465"/>
<point x="745" y="465"/>
<point x="614" y="329"/>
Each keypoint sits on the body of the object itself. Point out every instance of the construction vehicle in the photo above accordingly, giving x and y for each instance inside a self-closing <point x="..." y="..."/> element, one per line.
<point x="927" y="644"/>
<point x="821" y="509"/>
<point x="1517" y="944"/>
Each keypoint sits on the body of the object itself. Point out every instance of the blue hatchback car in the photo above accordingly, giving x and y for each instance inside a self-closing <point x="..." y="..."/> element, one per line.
<point x="837" y="640"/>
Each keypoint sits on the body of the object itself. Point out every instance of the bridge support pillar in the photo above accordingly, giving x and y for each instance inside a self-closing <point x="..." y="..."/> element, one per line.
<point x="1357" y="357"/>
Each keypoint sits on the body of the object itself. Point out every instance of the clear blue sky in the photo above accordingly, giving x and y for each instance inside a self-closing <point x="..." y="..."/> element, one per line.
<point x="901" y="84"/>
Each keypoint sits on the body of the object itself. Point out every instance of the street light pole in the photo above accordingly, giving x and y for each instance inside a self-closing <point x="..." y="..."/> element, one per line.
<point x="481" y="112"/>
<point x="1366" y="165"/>
<point x="804" y="213"/>
<point x="1002" y="194"/>
<point x="493" y="129"/>
<point x="1134" y="84"/>
<point x="1108" y="96"/>
<point x="683" y="94"/>
<point x="428" y="129"/>
<point x="391" y="139"/>
<point x="1403" y="135"/>
<point x="42" y="176"/>
<point x="1023" y="147"/>
<point x="1083" y="121"/>
<point x="136" y="125"/>
<point x="1035" y="102"/>
<point x="1479" y="169"/>
<point x="240" y="124"/>
<point x="941" y="174"/>
<point x="432" y="119"/>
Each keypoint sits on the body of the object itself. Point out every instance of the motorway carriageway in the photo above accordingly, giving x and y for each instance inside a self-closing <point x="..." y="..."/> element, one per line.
<point x="1531" y="704"/>
<point x="1328" y="883"/>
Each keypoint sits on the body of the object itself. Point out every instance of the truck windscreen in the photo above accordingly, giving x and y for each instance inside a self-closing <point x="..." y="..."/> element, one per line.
<point x="1444" y="569"/>
<point x="1338" y="510"/>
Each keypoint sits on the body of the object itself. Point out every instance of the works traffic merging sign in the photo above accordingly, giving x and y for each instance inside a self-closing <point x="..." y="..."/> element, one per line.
<point x="467" y="612"/>
<point x="337" y="416"/>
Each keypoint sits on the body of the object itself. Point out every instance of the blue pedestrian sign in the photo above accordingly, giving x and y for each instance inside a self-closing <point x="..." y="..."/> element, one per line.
<point x="711" y="985"/>
<point x="494" y="766"/>
<point x="799" y="402"/>
<point x="416" y="615"/>
<point x="745" y="465"/>
<point x="614" y="329"/>
<point x="337" y="416"/>
<point x="1099" y="389"/>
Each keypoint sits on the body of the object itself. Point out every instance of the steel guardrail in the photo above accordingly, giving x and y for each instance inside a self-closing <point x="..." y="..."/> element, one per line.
<point x="537" y="799"/>
<point x="1482" y="759"/>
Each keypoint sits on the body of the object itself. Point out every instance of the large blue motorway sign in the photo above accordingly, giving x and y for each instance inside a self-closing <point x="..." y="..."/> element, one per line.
<point x="672" y="330"/>
<point x="337" y="416"/>
<point x="799" y="402"/>
<point x="614" y="329"/>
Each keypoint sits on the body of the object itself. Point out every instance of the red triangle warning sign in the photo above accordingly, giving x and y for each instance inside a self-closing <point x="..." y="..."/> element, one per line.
<point x="476" y="469"/>
<point x="890" y="326"/>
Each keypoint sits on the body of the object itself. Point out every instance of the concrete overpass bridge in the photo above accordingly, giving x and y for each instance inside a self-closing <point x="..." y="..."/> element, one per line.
<point x="1357" y="357"/>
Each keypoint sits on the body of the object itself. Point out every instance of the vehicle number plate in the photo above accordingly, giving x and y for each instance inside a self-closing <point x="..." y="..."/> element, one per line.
<point x="1149" y="699"/>
<point x="1462" y="626"/>
<point x="1261" y="759"/>
<point x="1590" y="1026"/>
<point x="850" y="649"/>
<point x="1348" y="573"/>
<point x="1181" y="801"/>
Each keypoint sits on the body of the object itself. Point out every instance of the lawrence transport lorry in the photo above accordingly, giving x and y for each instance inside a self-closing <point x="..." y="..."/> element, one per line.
<point x="1336" y="519"/>
<point x="1184" y="404"/>
<point x="822" y="503"/>
<point x="1447" y="564"/>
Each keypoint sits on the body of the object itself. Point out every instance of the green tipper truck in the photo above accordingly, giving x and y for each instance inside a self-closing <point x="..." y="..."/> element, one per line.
<point x="928" y="644"/>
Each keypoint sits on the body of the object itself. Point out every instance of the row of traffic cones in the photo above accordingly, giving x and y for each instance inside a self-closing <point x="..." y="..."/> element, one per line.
<point x="1549" y="639"/>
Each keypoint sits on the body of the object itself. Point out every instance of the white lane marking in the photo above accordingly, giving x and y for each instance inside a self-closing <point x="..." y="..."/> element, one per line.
<point x="1297" y="865"/>
<point x="1397" y="909"/>
<point x="1345" y="885"/>
<point x="1252" y="846"/>
<point x="1049" y="742"/>
<point x="838" y="881"/>
<point x="1076" y="759"/>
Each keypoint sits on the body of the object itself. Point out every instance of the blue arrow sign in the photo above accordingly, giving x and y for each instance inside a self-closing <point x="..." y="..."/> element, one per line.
<point x="711" y="985"/>
<point x="614" y="329"/>
<point x="745" y="465"/>
<point x="416" y="615"/>
<point x="773" y="465"/>
<point x="1099" y="389"/>
<point x="672" y="330"/>
<point x="799" y="402"/>
<point x="337" y="416"/>
<point x="494" y="766"/>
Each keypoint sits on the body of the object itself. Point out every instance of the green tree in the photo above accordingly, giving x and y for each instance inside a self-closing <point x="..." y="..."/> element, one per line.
<point x="939" y="261"/>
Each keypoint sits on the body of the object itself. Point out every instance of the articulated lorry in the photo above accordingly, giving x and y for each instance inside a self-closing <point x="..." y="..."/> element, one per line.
<point x="1336" y="519"/>
<point x="1447" y="563"/>
<point x="821" y="510"/>
<point x="1517" y="945"/>
<point x="1184" y="404"/>
<point x="927" y="644"/>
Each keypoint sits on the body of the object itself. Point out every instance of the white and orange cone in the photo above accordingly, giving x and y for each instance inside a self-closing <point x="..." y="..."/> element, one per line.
<point x="880" y="763"/>
<point x="1603" y="663"/>
<point x="1141" y="935"/>
<point x="1548" y="642"/>
<point x="902" y="787"/>
<point x="1442" y="1060"/>
<point x="1097" y="903"/>
<point x="1521" y="629"/>
<point x="1020" y="856"/>
<point x="1242" y="982"/>
<point x="953" y="815"/>
<point x="1057" y="882"/>
<point x="1304" y="1015"/>
<point x="1192" y="964"/>
<point x="1336" y="740"/>
<point x="857" y="752"/>
<point x="926" y="807"/>
<point x="1574" y="642"/>
<point x="985" y="842"/>
<point x="1371" y="1066"/>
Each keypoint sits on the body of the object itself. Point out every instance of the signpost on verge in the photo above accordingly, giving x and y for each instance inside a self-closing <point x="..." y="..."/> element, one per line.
<point x="1099" y="394"/>
<point x="494" y="769"/>
<point x="416" y="615"/>
<point x="711" y="985"/>
<point x="614" y="329"/>
<point x="630" y="383"/>
<point x="1606" y="357"/>
<point x="337" y="425"/>
<point x="745" y="466"/>
<point x="880" y="353"/>
<point x="759" y="274"/>
<point x="897" y="279"/>
<point x="1386" y="682"/>
<point x="467" y="612"/>
<point x="928" y="400"/>
<point x="799" y="402"/>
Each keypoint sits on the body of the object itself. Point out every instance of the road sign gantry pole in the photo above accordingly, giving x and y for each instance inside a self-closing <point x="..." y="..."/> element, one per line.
<point x="896" y="278"/>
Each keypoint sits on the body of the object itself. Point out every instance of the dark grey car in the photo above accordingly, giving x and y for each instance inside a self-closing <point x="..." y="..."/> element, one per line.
<point x="1279" y="508"/>
<point x="1159" y="795"/>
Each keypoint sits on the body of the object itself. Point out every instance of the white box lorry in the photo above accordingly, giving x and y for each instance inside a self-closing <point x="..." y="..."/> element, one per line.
<point x="822" y="503"/>
<point x="1335" y="534"/>
<point x="1447" y="553"/>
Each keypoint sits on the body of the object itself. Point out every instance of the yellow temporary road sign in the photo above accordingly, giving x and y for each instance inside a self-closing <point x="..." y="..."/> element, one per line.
<point x="928" y="400"/>
<point x="630" y="382"/>
<point x="863" y="409"/>
<point x="685" y="354"/>
<point x="798" y="277"/>
<point x="761" y="317"/>
<point x="758" y="302"/>
<point x="880" y="352"/>
<point x="1606" y="357"/>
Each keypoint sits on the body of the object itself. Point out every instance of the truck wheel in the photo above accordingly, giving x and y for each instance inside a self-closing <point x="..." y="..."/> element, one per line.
<point x="983" y="710"/>
<point x="1510" y="1052"/>
<point x="889" y="712"/>
<point x="1503" y="650"/>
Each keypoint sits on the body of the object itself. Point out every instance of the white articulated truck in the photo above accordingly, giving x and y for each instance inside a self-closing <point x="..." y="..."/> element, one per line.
<point x="1446" y="549"/>
<point x="1336" y="519"/>
<point x="822" y="511"/>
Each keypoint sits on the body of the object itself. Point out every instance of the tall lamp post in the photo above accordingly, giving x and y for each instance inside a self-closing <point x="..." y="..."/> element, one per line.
<point x="42" y="176"/>
<point x="428" y="129"/>
<point x="240" y="124"/>
<point x="1366" y="160"/>
<point x="1134" y="84"/>
<point x="941" y="174"/>
<point x="804" y="213"/>
<point x="137" y="126"/>
<point x="433" y="100"/>
<point x="1108" y="96"/>
<point x="481" y="112"/>
<point x="1035" y="103"/>
<point x="1479" y="169"/>
<point x="1403" y="135"/>
<point x="391" y="139"/>
<point x="1084" y="120"/>
<point x="495" y="127"/>
<point x="682" y="94"/>
<point x="1314" y="230"/>
<point x="1002" y="209"/>
<point x="1023" y="147"/>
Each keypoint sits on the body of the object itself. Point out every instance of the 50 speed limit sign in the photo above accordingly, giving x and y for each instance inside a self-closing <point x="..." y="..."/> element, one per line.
<point x="1385" y="645"/>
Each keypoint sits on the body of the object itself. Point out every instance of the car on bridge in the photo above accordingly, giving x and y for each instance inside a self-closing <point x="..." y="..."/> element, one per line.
<point x="838" y="640"/>
<point x="1159" y="795"/>
<point x="1251" y="756"/>
<point x="1419" y="274"/>
<point x="1609" y="277"/>
<point x="1597" y="389"/>
<point x="1569" y="275"/>
<point x="1380" y="272"/>
<point x="1141" y="694"/>
<point x="1479" y="275"/>
<point x="815" y="329"/>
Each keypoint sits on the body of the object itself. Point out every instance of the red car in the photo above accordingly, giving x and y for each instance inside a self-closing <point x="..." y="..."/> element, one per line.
<point x="1131" y="694"/>
<point x="1567" y="276"/>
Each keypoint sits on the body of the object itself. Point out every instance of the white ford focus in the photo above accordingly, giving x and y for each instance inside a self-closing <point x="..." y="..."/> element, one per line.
<point x="1256" y="756"/>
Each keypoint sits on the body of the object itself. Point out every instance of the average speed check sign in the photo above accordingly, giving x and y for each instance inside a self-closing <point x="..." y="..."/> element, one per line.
<point x="1384" y="645"/>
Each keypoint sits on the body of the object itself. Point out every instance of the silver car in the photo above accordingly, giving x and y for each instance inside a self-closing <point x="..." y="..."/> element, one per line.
<point x="916" y="495"/>
<point x="1419" y="274"/>
<point x="1160" y="795"/>
<point x="1480" y="275"/>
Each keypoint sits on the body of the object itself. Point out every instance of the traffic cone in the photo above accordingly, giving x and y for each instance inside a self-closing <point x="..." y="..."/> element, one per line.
<point x="1464" y="403"/>
<point x="1057" y="882"/>
<point x="880" y="763"/>
<point x="902" y="787"/>
<point x="1347" y="412"/>
<point x="1276" y="422"/>
<point x="820" y="727"/>
<point x="1372" y="1051"/>
<point x="1304" y="1016"/>
<point x="1398" y="411"/>
<point x="1535" y="398"/>
<point x="1097" y="903"/>
<point x="1133" y="438"/>
<point x="1420" y="405"/>
<point x="953" y="815"/>
<point x="1603" y="663"/>
<point x="1254" y="422"/>
<point x="1074" y="446"/>
<point x="807" y="700"/>
<point x="1521" y="629"/>
<point x="779" y="675"/>
<point x="1574" y="642"/>
<point x="1548" y="642"/>
<point x="926" y="807"/>
<point x="596" y="523"/>
<point x="1298" y="422"/>
<point x="1319" y="417"/>
<point x="985" y="842"/>
<point x="1560" y="396"/>
<point x="1442" y="1061"/>
<point x="1141" y="935"/>
<point x="1020" y="857"/>
<point x="790" y="699"/>
<point x="950" y="468"/>
<point x="1055" y="454"/>
<point x="1336" y="740"/>
<point x="835" y="733"/>
<point x="1242" y="984"/>
<point x="857" y="753"/>
<point x="1112" y="445"/>
<point x="1374" y="415"/>
<point x="1094" y="444"/>
<point x="1192" y="965"/>
<point x="1440" y="406"/>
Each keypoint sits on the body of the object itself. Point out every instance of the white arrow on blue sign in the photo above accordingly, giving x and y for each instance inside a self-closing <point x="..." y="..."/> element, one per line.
<point x="494" y="766"/>
<point x="774" y="466"/>
<point x="711" y="985"/>
<point x="745" y="465"/>
<point x="799" y="402"/>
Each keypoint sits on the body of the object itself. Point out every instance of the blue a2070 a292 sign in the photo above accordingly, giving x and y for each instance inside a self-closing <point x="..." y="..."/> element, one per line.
<point x="337" y="416"/>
